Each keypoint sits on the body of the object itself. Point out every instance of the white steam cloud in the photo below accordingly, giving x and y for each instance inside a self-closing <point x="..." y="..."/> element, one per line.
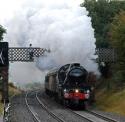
<point x="59" y="25"/>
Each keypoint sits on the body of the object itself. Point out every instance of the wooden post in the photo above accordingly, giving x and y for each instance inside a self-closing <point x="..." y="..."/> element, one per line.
<point x="4" y="73"/>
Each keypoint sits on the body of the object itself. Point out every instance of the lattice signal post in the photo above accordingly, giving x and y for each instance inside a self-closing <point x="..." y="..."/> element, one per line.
<point x="107" y="55"/>
<point x="4" y="64"/>
<point x="25" y="54"/>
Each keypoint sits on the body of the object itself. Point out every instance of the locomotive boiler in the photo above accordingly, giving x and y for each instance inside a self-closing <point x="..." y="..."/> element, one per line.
<point x="69" y="84"/>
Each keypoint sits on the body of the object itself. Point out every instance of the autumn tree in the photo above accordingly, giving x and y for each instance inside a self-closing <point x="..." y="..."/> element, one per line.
<point x="102" y="13"/>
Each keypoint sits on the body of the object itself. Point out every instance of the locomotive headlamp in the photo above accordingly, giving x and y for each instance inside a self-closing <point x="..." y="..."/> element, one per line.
<point x="76" y="90"/>
<point x="88" y="91"/>
<point x="65" y="90"/>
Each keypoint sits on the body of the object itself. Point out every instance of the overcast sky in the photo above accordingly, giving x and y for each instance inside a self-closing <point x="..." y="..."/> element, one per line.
<point x="9" y="7"/>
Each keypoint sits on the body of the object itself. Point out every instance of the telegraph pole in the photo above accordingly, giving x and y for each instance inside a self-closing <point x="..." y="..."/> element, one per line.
<point x="5" y="75"/>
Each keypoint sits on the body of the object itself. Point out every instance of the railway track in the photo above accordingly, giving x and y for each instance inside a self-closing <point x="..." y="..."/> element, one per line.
<point x="43" y="104"/>
<point x="90" y="115"/>
<point x="30" y="110"/>
<point x="87" y="115"/>
<point x="36" y="115"/>
<point x="48" y="111"/>
<point x="102" y="116"/>
<point x="93" y="116"/>
<point x="84" y="116"/>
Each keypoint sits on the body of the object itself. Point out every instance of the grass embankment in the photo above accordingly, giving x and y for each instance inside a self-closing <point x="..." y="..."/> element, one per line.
<point x="13" y="91"/>
<point x="1" y="105"/>
<point x="111" y="101"/>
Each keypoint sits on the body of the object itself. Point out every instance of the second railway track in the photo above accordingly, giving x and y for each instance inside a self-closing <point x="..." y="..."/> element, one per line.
<point x="109" y="119"/>
<point x="42" y="107"/>
<point x="93" y="116"/>
<point x="83" y="119"/>
<point x="51" y="113"/>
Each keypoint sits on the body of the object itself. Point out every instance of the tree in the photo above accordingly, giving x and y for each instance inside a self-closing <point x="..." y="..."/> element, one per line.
<point x="117" y="40"/>
<point x="2" y="31"/>
<point x="102" y="13"/>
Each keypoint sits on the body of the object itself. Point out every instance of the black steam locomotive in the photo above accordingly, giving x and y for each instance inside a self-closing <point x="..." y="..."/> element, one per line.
<point x="69" y="84"/>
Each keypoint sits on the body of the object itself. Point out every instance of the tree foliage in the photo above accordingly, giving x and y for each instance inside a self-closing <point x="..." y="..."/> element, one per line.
<point x="102" y="13"/>
<point x="2" y="31"/>
<point x="117" y="40"/>
<point x="108" y="20"/>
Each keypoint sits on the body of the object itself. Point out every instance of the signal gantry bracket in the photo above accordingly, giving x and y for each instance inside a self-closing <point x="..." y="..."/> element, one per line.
<point x="28" y="54"/>
<point x="24" y="54"/>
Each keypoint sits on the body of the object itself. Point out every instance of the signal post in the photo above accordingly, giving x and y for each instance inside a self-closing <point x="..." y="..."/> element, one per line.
<point x="4" y="67"/>
<point x="5" y="75"/>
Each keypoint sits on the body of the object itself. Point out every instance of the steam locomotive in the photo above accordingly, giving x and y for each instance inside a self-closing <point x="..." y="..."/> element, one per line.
<point x="69" y="84"/>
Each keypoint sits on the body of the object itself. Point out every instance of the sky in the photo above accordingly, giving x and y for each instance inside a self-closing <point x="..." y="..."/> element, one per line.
<point x="9" y="7"/>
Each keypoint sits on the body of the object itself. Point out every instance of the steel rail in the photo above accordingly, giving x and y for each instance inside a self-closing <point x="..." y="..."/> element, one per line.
<point x="83" y="117"/>
<point x="103" y="117"/>
<point x="30" y="110"/>
<point x="48" y="111"/>
<point x="80" y="115"/>
<point x="109" y="119"/>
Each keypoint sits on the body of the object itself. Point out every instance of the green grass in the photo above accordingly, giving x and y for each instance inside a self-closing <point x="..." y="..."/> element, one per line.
<point x="1" y="106"/>
<point x="111" y="101"/>
<point x="12" y="91"/>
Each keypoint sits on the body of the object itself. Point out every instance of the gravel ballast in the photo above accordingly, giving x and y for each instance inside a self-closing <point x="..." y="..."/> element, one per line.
<point x="20" y="113"/>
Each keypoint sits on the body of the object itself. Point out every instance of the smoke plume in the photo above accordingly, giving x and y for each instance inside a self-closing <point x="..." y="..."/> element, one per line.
<point x="61" y="26"/>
